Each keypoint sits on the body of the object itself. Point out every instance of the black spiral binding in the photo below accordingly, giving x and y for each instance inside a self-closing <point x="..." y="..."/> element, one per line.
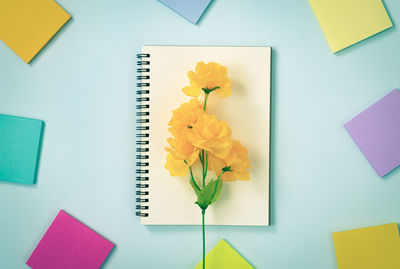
<point x="142" y="136"/>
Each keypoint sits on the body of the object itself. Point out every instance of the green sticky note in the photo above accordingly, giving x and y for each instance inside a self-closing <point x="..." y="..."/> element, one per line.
<point x="223" y="256"/>
<point x="19" y="148"/>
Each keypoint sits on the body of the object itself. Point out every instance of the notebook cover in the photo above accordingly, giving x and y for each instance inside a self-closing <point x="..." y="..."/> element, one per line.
<point x="20" y="140"/>
<point x="246" y="111"/>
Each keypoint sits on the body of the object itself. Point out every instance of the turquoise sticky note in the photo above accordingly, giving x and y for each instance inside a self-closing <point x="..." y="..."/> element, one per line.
<point x="20" y="140"/>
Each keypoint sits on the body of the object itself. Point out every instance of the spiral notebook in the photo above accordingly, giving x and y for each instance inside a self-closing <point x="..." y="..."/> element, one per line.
<point x="162" y="73"/>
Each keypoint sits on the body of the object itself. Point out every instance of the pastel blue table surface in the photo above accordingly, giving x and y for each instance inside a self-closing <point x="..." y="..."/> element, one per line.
<point x="83" y="86"/>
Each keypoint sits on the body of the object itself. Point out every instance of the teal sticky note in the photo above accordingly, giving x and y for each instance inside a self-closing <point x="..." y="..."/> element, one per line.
<point x="20" y="140"/>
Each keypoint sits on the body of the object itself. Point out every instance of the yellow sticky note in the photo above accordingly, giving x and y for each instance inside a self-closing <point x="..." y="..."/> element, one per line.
<point x="223" y="256"/>
<point x="368" y="248"/>
<point x="27" y="25"/>
<point x="346" y="22"/>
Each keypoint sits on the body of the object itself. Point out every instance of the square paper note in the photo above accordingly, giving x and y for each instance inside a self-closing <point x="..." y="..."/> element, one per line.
<point x="223" y="256"/>
<point x="19" y="148"/>
<point x="368" y="248"/>
<point x="69" y="244"/>
<point x="189" y="9"/>
<point x="26" y="26"/>
<point x="377" y="132"/>
<point x="346" y="22"/>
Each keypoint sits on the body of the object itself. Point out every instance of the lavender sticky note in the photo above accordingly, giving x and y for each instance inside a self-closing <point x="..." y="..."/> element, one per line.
<point x="189" y="9"/>
<point x="376" y="131"/>
<point x="69" y="244"/>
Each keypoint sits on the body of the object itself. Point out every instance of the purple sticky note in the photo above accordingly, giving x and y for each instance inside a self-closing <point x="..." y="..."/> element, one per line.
<point x="69" y="244"/>
<point x="376" y="131"/>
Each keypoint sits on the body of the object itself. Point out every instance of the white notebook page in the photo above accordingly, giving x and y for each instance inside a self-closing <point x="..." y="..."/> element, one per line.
<point x="247" y="112"/>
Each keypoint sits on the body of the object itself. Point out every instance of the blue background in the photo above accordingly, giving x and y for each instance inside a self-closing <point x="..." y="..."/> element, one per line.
<point x="83" y="86"/>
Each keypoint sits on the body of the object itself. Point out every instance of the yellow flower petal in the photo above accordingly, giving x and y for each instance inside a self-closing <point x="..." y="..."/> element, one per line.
<point x="184" y="117"/>
<point x="176" y="168"/>
<point x="211" y="134"/>
<point x="208" y="76"/>
<point x="215" y="164"/>
<point x="193" y="158"/>
<point x="182" y="149"/>
<point x="192" y="91"/>
<point x="236" y="159"/>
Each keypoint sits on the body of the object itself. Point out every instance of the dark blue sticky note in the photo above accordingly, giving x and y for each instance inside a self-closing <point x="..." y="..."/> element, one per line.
<point x="19" y="148"/>
<point x="190" y="9"/>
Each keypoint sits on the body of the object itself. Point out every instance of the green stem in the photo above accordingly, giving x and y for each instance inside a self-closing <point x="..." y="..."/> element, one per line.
<point x="204" y="166"/>
<point x="203" y="211"/>
<point x="216" y="185"/>
<point x="206" y="163"/>
<point x="207" y="91"/>
<point x="205" y="101"/>
<point x="192" y="178"/>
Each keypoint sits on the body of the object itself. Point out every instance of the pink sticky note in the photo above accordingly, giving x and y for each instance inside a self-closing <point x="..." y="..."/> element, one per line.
<point x="69" y="244"/>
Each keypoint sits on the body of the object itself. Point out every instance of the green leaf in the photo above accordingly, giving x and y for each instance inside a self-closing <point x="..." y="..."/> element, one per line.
<point x="204" y="196"/>
<point x="226" y="169"/>
<point x="217" y="192"/>
<point x="197" y="191"/>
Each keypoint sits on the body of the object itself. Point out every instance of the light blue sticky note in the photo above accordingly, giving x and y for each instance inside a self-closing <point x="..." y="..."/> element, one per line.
<point x="19" y="148"/>
<point x="189" y="9"/>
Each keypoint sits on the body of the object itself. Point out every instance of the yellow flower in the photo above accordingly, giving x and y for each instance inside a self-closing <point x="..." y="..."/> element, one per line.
<point x="184" y="116"/>
<point x="208" y="76"/>
<point x="211" y="134"/>
<point x="237" y="160"/>
<point x="176" y="168"/>
<point x="181" y="151"/>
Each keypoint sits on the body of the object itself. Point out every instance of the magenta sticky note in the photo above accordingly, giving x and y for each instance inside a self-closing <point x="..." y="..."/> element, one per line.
<point x="376" y="131"/>
<point x="69" y="244"/>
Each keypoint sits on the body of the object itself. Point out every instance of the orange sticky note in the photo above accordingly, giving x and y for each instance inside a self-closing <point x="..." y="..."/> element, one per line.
<point x="368" y="248"/>
<point x="27" y="25"/>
